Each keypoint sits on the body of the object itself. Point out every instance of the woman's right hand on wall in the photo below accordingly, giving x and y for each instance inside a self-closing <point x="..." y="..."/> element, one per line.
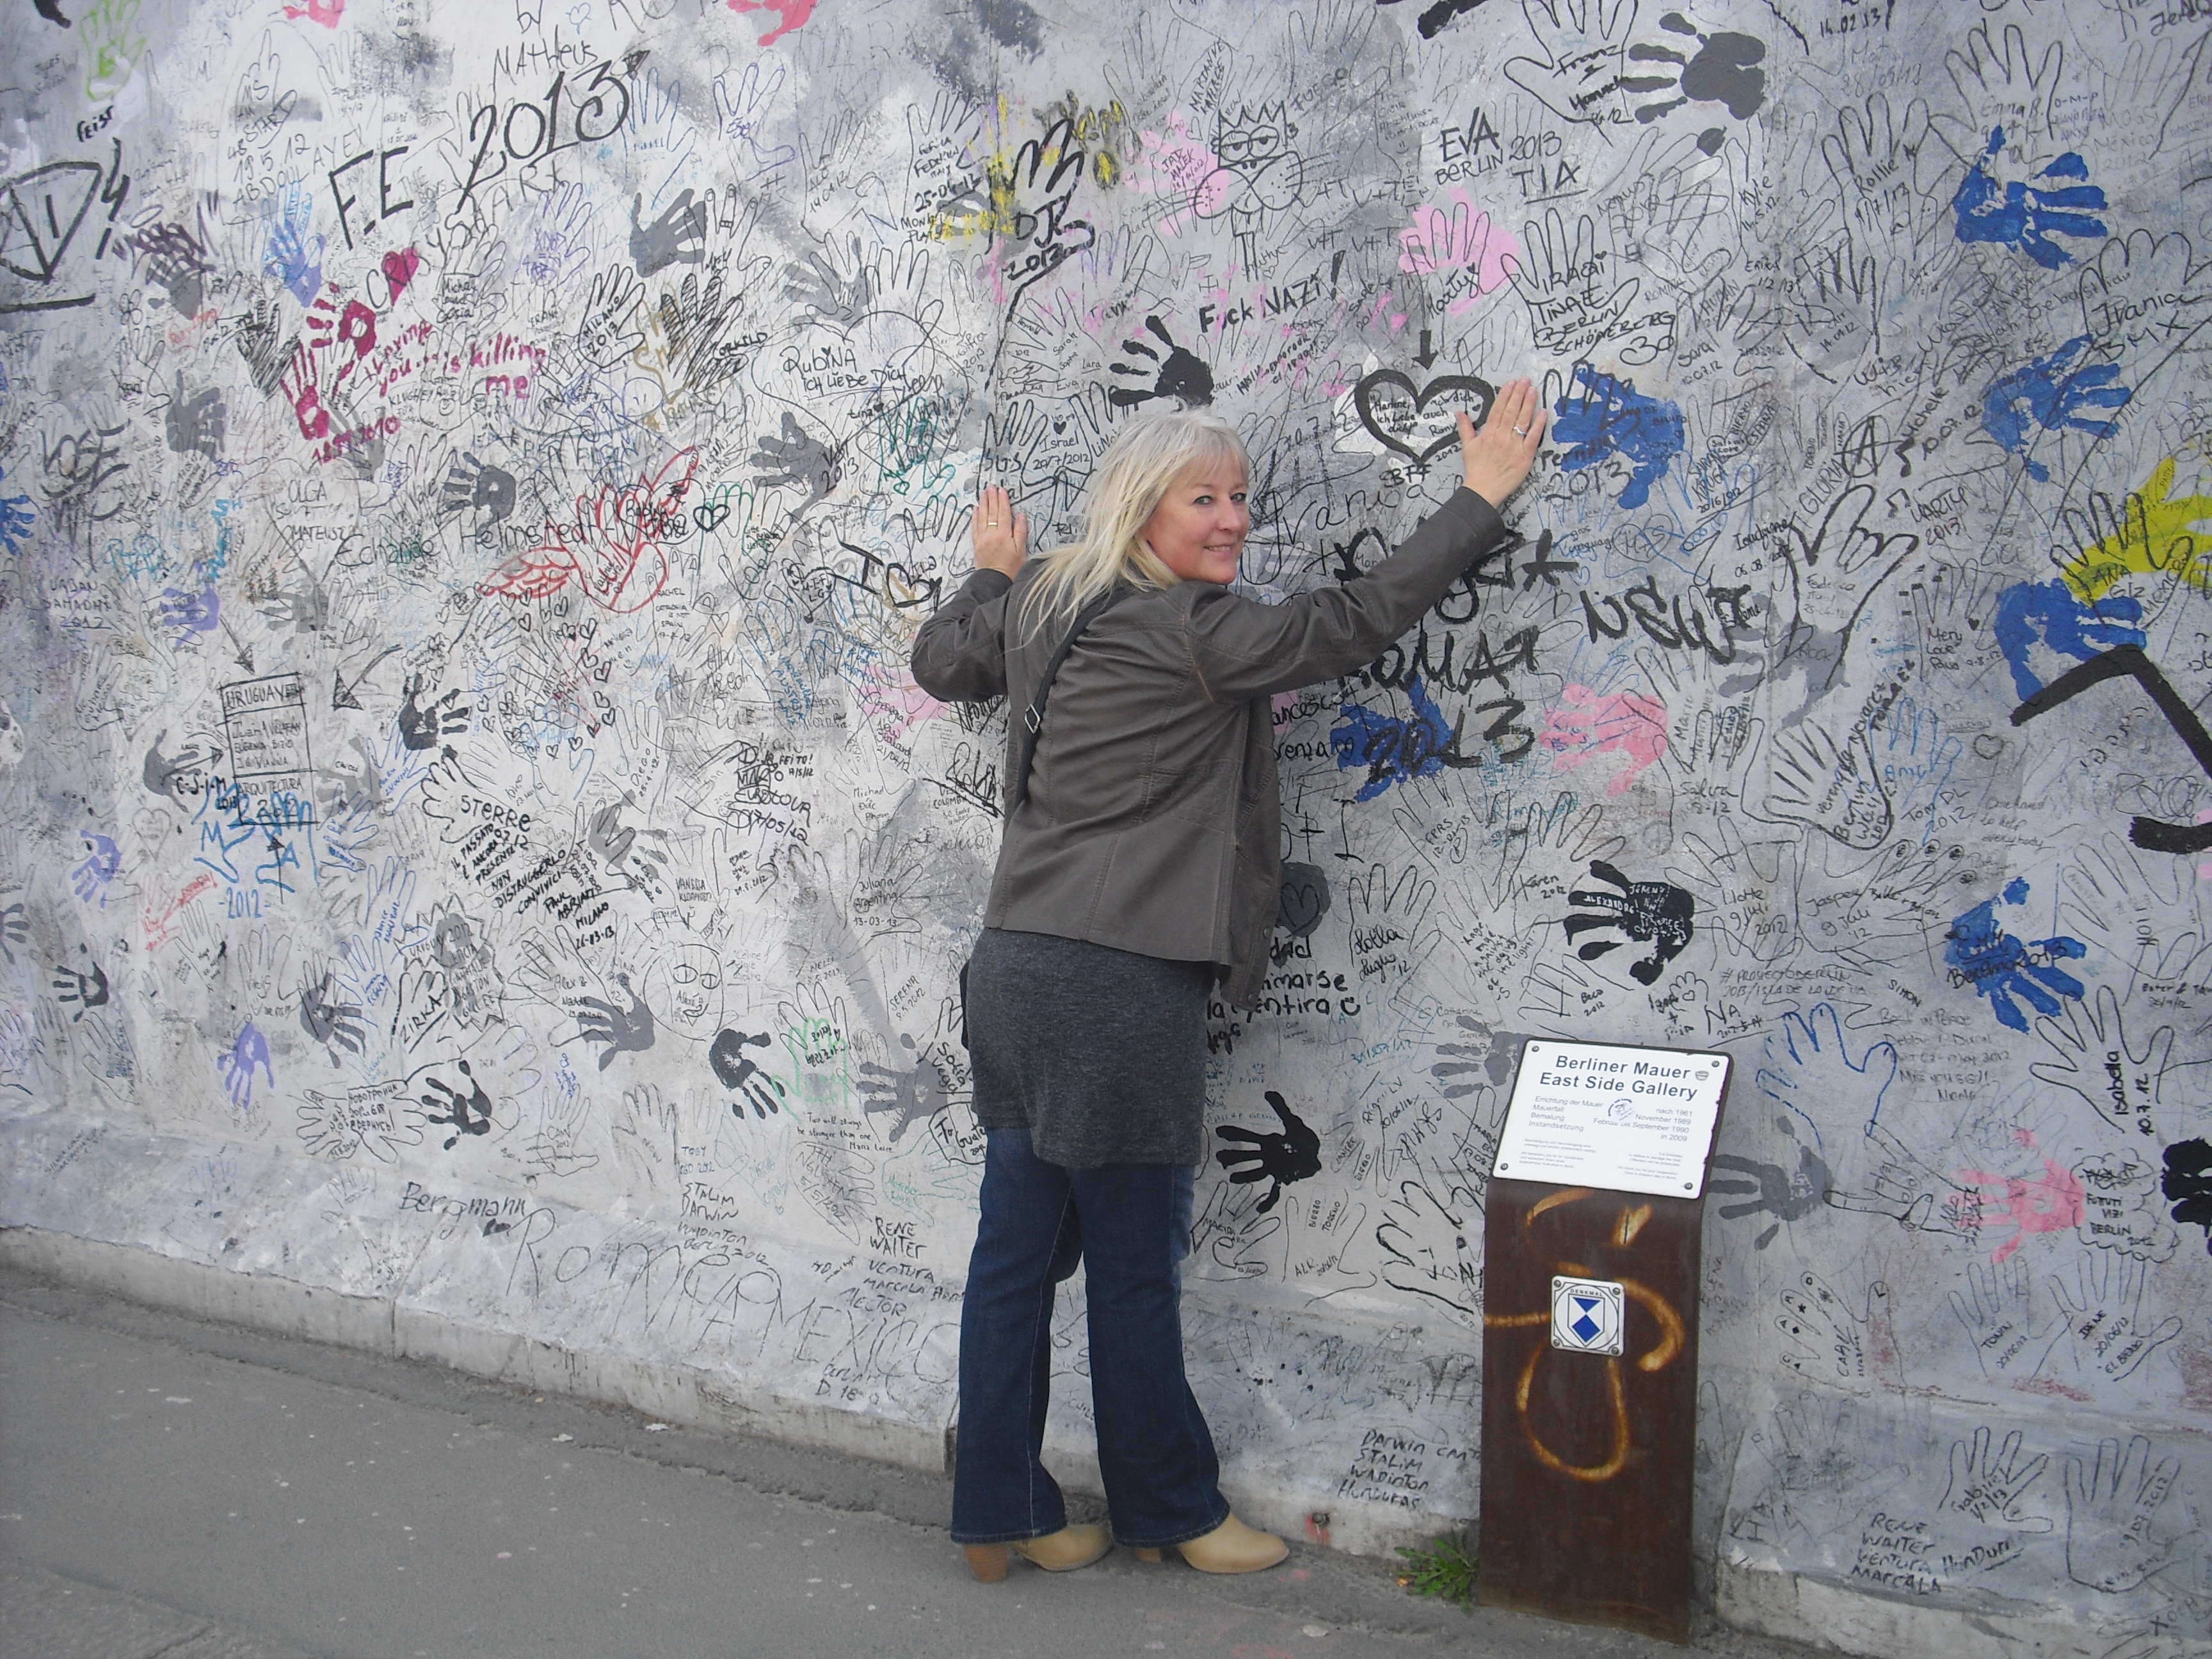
<point x="1499" y="456"/>
<point x="1002" y="535"/>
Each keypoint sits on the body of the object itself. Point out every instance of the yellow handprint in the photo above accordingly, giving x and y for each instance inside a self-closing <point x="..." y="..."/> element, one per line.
<point x="2153" y="535"/>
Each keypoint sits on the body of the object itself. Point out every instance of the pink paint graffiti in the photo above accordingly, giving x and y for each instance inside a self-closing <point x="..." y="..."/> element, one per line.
<point x="1478" y="256"/>
<point x="793" y="12"/>
<point x="1620" y="723"/>
<point x="326" y="12"/>
<point x="890" y="693"/>
<point x="2052" y="1203"/>
<point x="1177" y="165"/>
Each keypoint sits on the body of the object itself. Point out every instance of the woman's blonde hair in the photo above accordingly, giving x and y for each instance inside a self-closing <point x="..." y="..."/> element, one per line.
<point x="1138" y="469"/>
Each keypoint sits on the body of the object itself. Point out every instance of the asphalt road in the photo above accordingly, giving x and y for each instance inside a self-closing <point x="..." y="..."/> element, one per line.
<point x="195" y="1491"/>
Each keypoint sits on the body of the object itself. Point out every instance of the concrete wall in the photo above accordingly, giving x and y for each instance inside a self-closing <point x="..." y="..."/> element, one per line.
<point x="480" y="881"/>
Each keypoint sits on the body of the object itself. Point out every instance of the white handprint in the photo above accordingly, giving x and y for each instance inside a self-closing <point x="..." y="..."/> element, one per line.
<point x="1585" y="46"/>
<point x="2111" y="1512"/>
<point x="2124" y="1082"/>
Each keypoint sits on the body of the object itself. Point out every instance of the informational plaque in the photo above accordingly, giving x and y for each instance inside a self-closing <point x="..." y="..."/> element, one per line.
<point x="1591" y="1230"/>
<point x="1631" y="1120"/>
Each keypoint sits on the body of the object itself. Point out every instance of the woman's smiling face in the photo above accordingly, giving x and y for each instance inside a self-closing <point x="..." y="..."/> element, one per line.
<point x="1198" y="529"/>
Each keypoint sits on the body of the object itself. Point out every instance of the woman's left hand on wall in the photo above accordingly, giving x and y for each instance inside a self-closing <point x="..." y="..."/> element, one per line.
<point x="1002" y="535"/>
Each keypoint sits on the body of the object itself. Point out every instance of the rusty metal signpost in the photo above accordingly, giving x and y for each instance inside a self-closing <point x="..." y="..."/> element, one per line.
<point x="1590" y="1376"/>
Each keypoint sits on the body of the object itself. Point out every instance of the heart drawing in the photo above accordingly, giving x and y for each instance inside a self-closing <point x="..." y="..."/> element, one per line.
<point x="1397" y="413"/>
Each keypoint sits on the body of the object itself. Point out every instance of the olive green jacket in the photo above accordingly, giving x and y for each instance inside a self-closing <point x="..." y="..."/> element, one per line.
<point x="1153" y="824"/>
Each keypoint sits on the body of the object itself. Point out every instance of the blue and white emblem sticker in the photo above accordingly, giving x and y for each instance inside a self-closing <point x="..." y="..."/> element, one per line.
<point x="1586" y="1314"/>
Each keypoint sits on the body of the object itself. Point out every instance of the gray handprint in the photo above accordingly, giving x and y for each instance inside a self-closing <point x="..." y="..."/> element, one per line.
<point x="797" y="457"/>
<point x="909" y="1095"/>
<point x="629" y="1031"/>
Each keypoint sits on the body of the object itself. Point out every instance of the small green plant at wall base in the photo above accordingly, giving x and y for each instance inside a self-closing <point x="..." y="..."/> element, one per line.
<point x="1444" y="1567"/>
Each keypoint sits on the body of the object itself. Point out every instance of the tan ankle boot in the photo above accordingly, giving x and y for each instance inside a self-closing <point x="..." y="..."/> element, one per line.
<point x="1232" y="1547"/>
<point x="1067" y="1549"/>
<point x="1057" y="1552"/>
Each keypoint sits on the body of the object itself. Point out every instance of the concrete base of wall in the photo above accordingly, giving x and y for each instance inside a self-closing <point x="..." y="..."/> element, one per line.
<point x="759" y="1337"/>
<point x="669" y="1393"/>
<point x="1849" y="1619"/>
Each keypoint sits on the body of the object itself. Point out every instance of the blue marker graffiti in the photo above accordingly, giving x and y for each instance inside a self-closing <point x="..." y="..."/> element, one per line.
<point x="1603" y="417"/>
<point x="2047" y="614"/>
<point x="2050" y="393"/>
<point x="1395" y="751"/>
<point x="17" y="515"/>
<point x="2022" y="214"/>
<point x="1980" y="953"/>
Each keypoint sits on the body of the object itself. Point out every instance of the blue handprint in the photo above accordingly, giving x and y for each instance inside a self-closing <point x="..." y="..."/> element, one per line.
<point x="2019" y="214"/>
<point x="252" y="1050"/>
<point x="187" y="616"/>
<point x="1980" y="953"/>
<point x="17" y="515"/>
<point x="1603" y="416"/>
<point x="2050" y="394"/>
<point x="2049" y="616"/>
<point x="90" y="879"/>
<point x="295" y="258"/>
<point x="1810" y="1072"/>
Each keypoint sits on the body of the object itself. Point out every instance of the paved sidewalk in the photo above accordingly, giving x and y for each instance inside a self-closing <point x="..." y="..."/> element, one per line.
<point x="195" y="1491"/>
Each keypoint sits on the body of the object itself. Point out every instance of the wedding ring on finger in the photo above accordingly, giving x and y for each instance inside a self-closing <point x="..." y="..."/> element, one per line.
<point x="1520" y="431"/>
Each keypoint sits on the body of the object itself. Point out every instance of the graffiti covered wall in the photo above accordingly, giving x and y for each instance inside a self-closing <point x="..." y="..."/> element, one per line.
<point x="471" y="476"/>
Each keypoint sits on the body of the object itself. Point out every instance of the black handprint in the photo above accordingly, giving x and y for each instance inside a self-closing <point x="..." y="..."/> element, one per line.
<point x="334" y="1025"/>
<point x="735" y="1067"/>
<point x="2188" y="1182"/>
<point x="469" y="1114"/>
<point x="797" y="457"/>
<point x="15" y="928"/>
<point x="1179" y="374"/>
<point x="1281" y="1159"/>
<point x="421" y="727"/>
<point x="623" y="1031"/>
<point x="1654" y="913"/>
<point x="88" y="988"/>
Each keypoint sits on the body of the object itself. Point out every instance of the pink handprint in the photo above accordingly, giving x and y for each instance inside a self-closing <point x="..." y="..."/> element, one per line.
<point x="891" y="694"/>
<point x="791" y="14"/>
<point x="1479" y="255"/>
<point x="1617" y="723"/>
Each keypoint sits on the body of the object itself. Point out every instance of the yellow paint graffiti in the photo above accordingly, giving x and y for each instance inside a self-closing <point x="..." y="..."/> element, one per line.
<point x="2157" y="534"/>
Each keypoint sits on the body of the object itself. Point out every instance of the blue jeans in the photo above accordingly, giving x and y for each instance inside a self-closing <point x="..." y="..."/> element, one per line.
<point x="1129" y="1224"/>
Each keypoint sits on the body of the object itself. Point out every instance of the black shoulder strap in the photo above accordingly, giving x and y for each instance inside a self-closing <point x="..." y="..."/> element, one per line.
<point x="1032" y="718"/>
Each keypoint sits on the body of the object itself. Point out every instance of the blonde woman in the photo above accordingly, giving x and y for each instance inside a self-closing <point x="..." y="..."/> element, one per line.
<point x="1140" y="865"/>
